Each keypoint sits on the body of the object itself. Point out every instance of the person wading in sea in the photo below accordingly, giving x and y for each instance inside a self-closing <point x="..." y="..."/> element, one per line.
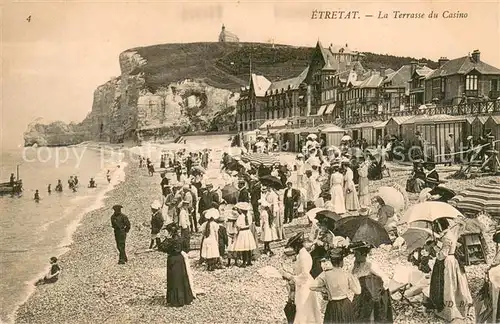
<point x="121" y="225"/>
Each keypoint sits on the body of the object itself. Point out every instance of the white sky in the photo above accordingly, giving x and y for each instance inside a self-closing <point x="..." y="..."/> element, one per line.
<point x="52" y="65"/>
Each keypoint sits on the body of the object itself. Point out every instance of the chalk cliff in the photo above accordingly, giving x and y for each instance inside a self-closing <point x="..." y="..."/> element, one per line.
<point x="169" y="89"/>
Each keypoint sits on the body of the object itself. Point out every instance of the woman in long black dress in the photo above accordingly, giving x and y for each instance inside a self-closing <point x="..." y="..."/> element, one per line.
<point x="179" y="291"/>
<point x="373" y="305"/>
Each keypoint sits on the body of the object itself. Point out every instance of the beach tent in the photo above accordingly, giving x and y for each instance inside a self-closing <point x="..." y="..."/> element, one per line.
<point x="333" y="134"/>
<point x="435" y="130"/>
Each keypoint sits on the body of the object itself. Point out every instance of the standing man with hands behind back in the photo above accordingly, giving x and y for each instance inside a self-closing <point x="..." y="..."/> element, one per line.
<point x="121" y="225"/>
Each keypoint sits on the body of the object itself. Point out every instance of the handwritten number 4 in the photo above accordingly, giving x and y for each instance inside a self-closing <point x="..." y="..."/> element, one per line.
<point x="28" y="19"/>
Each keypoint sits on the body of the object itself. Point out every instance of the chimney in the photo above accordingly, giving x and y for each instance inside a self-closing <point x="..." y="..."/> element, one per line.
<point x="442" y="61"/>
<point x="414" y="65"/>
<point x="476" y="56"/>
<point x="382" y="71"/>
<point x="346" y="46"/>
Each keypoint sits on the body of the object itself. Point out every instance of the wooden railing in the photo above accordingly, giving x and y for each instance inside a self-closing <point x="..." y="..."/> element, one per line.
<point x="473" y="109"/>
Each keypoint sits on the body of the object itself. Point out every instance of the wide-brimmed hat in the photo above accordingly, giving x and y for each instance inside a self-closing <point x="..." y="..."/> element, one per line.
<point x="243" y="206"/>
<point x="295" y="240"/>
<point x="156" y="205"/>
<point x="233" y="215"/>
<point x="470" y="137"/>
<point x="337" y="253"/>
<point x="117" y="207"/>
<point x="363" y="211"/>
<point x="212" y="213"/>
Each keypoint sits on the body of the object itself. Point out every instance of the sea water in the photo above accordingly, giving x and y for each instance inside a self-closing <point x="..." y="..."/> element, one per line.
<point x="31" y="232"/>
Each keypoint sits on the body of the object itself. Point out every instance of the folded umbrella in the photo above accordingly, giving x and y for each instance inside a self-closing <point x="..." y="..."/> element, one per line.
<point x="429" y="211"/>
<point x="362" y="229"/>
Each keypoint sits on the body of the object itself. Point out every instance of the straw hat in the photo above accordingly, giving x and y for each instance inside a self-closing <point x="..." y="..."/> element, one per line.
<point x="243" y="206"/>
<point x="469" y="137"/>
<point x="156" y="205"/>
<point x="212" y="213"/>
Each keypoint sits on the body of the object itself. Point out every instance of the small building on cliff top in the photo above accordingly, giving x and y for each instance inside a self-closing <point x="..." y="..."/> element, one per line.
<point x="227" y="37"/>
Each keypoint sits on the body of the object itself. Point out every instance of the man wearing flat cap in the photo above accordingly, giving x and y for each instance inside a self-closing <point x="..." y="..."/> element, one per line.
<point x="121" y="226"/>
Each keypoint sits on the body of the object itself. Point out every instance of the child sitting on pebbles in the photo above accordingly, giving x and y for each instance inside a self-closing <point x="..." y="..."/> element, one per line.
<point x="53" y="274"/>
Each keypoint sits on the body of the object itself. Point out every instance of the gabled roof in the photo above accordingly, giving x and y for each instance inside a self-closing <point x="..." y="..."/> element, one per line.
<point x="294" y="83"/>
<point x="260" y="84"/>
<point x="373" y="81"/>
<point x="399" y="77"/>
<point x="424" y="71"/>
<point x="463" y="65"/>
<point x="401" y="119"/>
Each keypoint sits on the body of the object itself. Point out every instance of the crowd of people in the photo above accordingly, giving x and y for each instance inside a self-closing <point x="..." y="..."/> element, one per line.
<point x="255" y="205"/>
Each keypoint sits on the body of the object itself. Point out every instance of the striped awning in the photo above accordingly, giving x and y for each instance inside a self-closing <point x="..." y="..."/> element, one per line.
<point x="321" y="110"/>
<point x="330" y="108"/>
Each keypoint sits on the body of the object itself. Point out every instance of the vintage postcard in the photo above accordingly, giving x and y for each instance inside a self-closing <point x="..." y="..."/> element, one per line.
<point x="250" y="162"/>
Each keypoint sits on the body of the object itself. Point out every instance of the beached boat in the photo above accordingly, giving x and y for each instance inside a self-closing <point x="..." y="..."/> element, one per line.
<point x="7" y="188"/>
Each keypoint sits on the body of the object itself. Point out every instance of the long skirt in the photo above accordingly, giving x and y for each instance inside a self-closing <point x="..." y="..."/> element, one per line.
<point x="339" y="311"/>
<point x="364" y="194"/>
<point x="449" y="289"/>
<point x="373" y="305"/>
<point x="179" y="291"/>
<point x="245" y="241"/>
<point x="186" y="238"/>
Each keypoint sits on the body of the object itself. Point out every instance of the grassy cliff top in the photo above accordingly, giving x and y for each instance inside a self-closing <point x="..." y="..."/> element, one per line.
<point x="227" y="65"/>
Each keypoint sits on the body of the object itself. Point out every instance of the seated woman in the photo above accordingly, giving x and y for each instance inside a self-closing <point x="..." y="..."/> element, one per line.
<point x="416" y="182"/>
<point x="53" y="274"/>
<point x="486" y="303"/>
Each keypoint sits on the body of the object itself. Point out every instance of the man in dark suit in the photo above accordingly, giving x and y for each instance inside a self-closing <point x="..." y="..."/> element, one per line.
<point x="244" y="194"/>
<point x="121" y="225"/>
<point x="291" y="199"/>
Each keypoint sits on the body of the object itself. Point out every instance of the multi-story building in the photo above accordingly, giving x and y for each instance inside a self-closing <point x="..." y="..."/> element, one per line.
<point x="466" y="76"/>
<point x="417" y="82"/>
<point x="375" y="92"/>
<point x="313" y="93"/>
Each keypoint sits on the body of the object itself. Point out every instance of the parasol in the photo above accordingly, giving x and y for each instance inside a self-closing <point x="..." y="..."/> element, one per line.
<point x="416" y="237"/>
<point x="271" y="181"/>
<point x="260" y="158"/>
<point x="429" y="211"/>
<point x="230" y="194"/>
<point x="392" y="197"/>
<point x="481" y="198"/>
<point x="362" y="229"/>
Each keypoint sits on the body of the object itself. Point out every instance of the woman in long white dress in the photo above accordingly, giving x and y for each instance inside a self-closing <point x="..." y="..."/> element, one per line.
<point x="337" y="191"/>
<point x="351" y="195"/>
<point x="245" y="241"/>
<point x="306" y="301"/>
<point x="210" y="244"/>
<point x="364" y="192"/>
<point x="269" y="233"/>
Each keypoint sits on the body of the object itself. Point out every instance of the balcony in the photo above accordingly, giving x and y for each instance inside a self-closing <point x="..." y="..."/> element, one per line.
<point x="417" y="89"/>
<point x="494" y="94"/>
<point x="473" y="108"/>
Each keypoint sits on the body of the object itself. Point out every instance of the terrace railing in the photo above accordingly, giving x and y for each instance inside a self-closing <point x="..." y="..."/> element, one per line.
<point x="473" y="108"/>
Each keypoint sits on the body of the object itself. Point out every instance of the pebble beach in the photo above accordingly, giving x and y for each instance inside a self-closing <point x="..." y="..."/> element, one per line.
<point x="93" y="288"/>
